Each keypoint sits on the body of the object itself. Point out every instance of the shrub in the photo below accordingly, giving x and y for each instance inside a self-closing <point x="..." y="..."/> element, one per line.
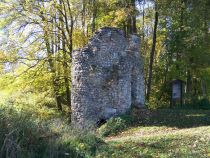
<point x="20" y="135"/>
<point x="47" y="102"/>
<point x="25" y="136"/>
<point x="33" y="129"/>
<point x="115" y="125"/>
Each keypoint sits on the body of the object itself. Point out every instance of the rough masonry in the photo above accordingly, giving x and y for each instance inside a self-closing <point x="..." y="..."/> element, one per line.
<point x="107" y="77"/>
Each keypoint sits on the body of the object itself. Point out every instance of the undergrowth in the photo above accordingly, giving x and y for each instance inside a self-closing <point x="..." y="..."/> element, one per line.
<point x="34" y="129"/>
<point x="115" y="125"/>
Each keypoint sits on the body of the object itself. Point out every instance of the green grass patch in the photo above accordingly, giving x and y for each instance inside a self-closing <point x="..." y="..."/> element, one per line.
<point x="162" y="146"/>
<point x="163" y="133"/>
<point x="33" y="129"/>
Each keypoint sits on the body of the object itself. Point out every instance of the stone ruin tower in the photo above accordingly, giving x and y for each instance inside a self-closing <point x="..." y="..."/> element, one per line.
<point x="107" y="77"/>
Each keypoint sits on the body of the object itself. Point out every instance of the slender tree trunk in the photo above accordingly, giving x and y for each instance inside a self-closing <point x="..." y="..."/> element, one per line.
<point x="56" y="93"/>
<point x="189" y="84"/>
<point x="143" y="35"/>
<point x="124" y="28"/>
<point x="195" y="87"/>
<point x="152" y="53"/>
<point x="206" y="37"/>
<point x="55" y="79"/>
<point x="164" y="79"/>
<point x="143" y="18"/>
<point x="66" y="80"/>
<point x="94" y="10"/>
<point x="131" y="21"/>
<point x="129" y="26"/>
<point x="134" y="29"/>
<point x="66" y="43"/>
<point x="50" y="53"/>
<point x="83" y="15"/>
<point x="70" y="30"/>
<point x="203" y="87"/>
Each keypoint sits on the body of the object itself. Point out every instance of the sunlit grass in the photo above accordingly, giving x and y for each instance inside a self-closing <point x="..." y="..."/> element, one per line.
<point x="165" y="133"/>
<point x="196" y="115"/>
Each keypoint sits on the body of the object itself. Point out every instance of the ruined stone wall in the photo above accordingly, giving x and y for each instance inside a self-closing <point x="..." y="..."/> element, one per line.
<point x="107" y="77"/>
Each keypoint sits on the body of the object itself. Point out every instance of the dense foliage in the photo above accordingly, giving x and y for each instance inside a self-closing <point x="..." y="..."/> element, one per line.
<point x="37" y="38"/>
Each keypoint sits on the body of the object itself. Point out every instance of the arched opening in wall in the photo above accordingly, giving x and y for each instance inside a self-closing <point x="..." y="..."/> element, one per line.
<point x="100" y="122"/>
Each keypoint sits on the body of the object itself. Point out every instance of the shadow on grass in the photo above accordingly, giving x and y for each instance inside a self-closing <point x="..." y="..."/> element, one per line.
<point x="157" y="146"/>
<point x="160" y="147"/>
<point x="164" y="117"/>
<point x="171" y="118"/>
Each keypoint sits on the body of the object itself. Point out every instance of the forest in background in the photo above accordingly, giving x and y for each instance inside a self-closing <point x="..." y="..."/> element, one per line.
<point x="38" y="37"/>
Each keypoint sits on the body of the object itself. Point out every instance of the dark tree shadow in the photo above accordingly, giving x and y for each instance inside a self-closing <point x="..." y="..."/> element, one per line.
<point x="171" y="118"/>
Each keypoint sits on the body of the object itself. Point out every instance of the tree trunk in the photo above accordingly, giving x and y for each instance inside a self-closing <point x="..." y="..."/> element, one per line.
<point x="65" y="44"/>
<point x="134" y="29"/>
<point x="189" y="84"/>
<point x="66" y="74"/>
<point x="55" y="79"/>
<point x="93" y="16"/>
<point x="203" y="87"/>
<point x="83" y="15"/>
<point x="143" y="18"/>
<point x="131" y="20"/>
<point x="152" y="53"/>
<point x="129" y="26"/>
